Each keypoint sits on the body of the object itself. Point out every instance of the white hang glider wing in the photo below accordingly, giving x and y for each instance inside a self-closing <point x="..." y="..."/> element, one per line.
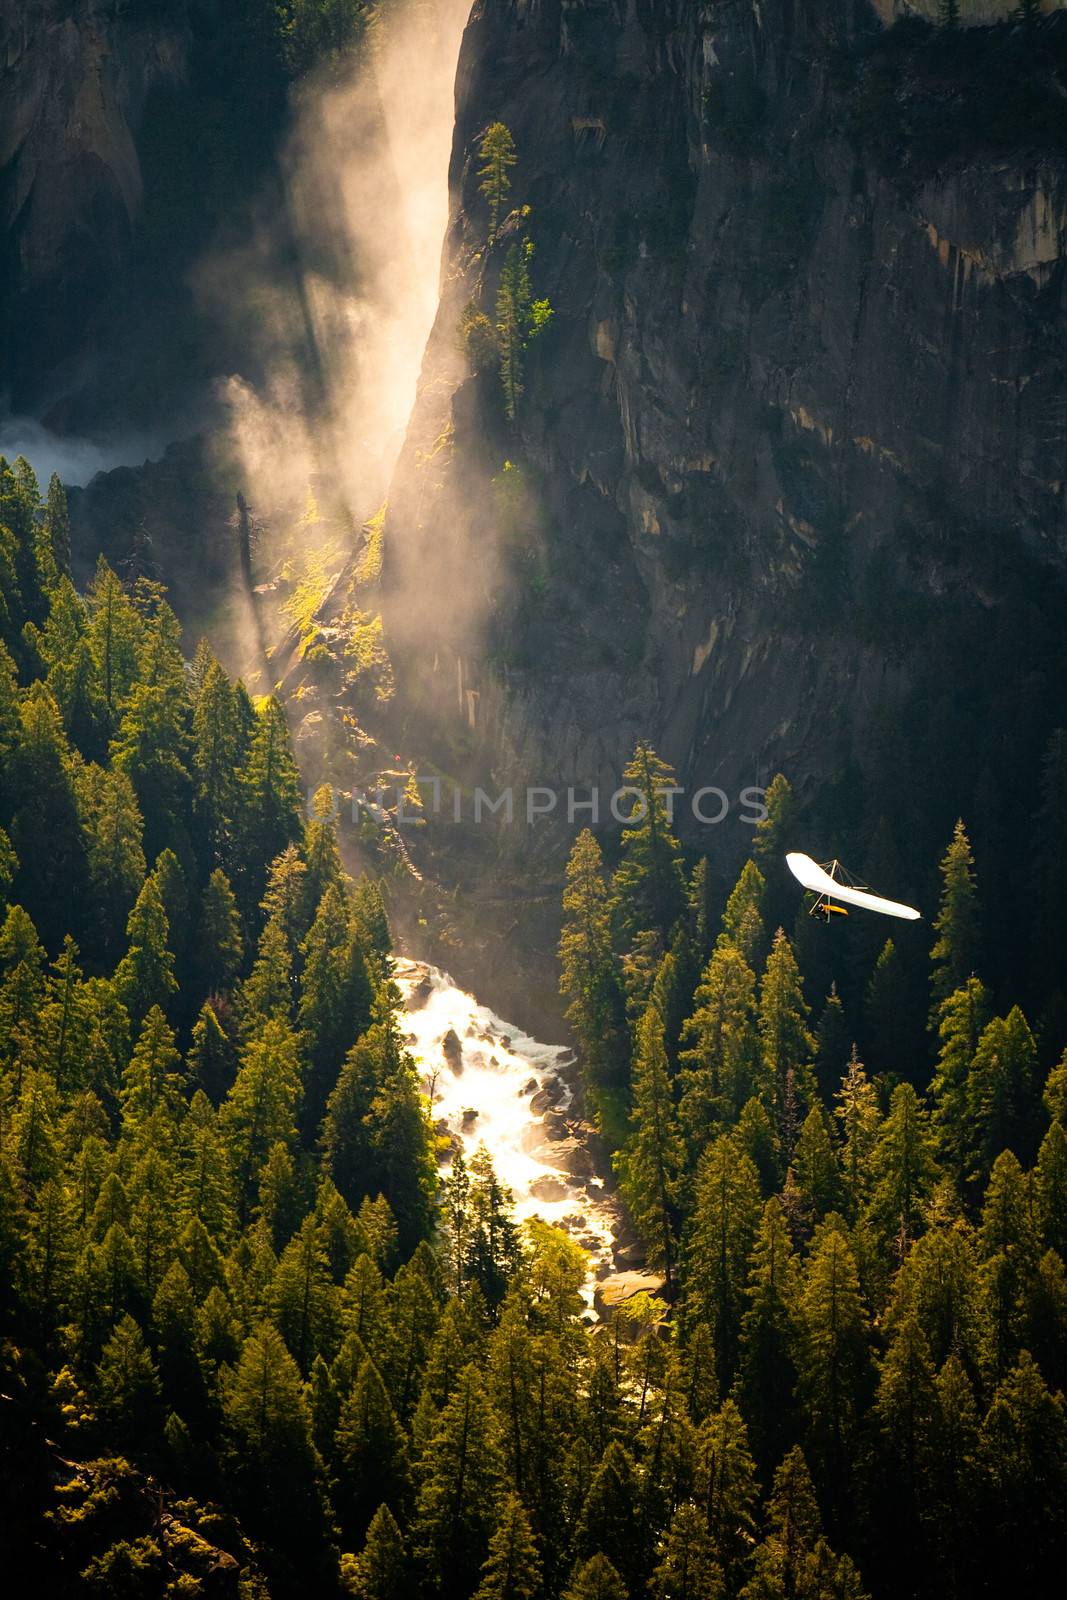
<point x="820" y="882"/>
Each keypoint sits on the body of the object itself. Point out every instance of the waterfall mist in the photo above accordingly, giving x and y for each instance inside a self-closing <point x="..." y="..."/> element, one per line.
<point x="337" y="288"/>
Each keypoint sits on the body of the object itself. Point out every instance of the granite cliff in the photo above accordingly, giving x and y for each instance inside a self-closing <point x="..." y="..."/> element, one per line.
<point x="789" y="453"/>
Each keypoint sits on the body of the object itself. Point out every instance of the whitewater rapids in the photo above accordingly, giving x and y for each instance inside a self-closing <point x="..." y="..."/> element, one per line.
<point x="492" y="1084"/>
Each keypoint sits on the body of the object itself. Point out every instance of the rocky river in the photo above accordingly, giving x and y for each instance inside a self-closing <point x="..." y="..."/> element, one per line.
<point x="492" y="1084"/>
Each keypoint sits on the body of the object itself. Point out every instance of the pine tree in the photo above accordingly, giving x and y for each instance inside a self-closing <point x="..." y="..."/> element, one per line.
<point x="412" y="1317"/>
<point x="492" y="1244"/>
<point x="127" y="1383"/>
<point x="371" y="1450"/>
<point x="304" y="1301"/>
<point x="742" y="922"/>
<point x="403" y="1168"/>
<point x="1003" y="1088"/>
<point x="595" y="1579"/>
<point x="380" y="1571"/>
<point x="648" y="887"/>
<point x="462" y="1475"/>
<point x="335" y="1002"/>
<point x="906" y="1411"/>
<point x="271" y="800"/>
<point x="651" y="1164"/>
<point x="955" y="950"/>
<point x="346" y="1134"/>
<point x="727" y="1490"/>
<point x="767" y="1370"/>
<point x="833" y="1044"/>
<point x="833" y="1358"/>
<point x="903" y="1172"/>
<point x="893" y="1044"/>
<point x="497" y="151"/>
<point x="795" y="1526"/>
<point x="151" y="1082"/>
<point x="219" y="943"/>
<point x="1009" y="1249"/>
<point x="786" y="1083"/>
<point x="57" y="524"/>
<point x="260" y="1109"/>
<point x="50" y="881"/>
<point x="1023" y="1445"/>
<point x="323" y="863"/>
<point x="963" y="1016"/>
<point x="145" y="976"/>
<point x="938" y="1284"/>
<point x="607" y="1521"/>
<point x="212" y="1059"/>
<point x="67" y="1019"/>
<point x="588" y="977"/>
<point x="512" y="1570"/>
<point x="955" y="1474"/>
<point x="274" y="1465"/>
<point x="519" y="318"/>
<point x="725" y="1218"/>
<point x="773" y="837"/>
<point x="688" y="1568"/>
<point x="817" y="1173"/>
<point x="755" y="1135"/>
<point x="719" y="1062"/>
<point x="857" y="1111"/>
<point x="115" y="636"/>
<point x="1051" y="1186"/>
<point x="216" y="742"/>
<point x="113" y="830"/>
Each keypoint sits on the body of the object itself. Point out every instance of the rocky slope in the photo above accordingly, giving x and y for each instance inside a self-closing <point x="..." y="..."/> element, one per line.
<point x="788" y="462"/>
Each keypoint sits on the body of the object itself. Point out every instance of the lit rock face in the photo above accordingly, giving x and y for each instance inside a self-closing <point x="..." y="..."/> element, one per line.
<point x="789" y="400"/>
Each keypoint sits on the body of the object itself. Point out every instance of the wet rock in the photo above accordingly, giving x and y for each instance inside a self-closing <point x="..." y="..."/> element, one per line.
<point x="572" y="1157"/>
<point x="470" y="1117"/>
<point x="549" y="1188"/>
<point x="555" y="1126"/>
<point x="420" y="993"/>
<point x="614" y="1291"/>
<point x="529" y="1088"/>
<point x="452" y="1050"/>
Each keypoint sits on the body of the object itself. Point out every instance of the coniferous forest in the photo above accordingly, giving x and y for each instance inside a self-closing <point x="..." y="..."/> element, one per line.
<point x="253" y="1345"/>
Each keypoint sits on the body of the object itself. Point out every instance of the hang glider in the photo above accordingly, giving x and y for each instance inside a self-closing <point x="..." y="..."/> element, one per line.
<point x="831" y="883"/>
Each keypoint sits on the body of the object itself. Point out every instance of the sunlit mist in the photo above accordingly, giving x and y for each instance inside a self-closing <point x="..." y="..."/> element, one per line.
<point x="338" y="293"/>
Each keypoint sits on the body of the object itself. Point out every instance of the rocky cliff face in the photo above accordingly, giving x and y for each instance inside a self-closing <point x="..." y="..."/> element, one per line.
<point x="74" y="76"/>
<point x="789" y="456"/>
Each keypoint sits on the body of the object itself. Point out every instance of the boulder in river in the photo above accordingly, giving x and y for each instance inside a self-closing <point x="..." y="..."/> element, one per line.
<point x="569" y="1156"/>
<point x="420" y="993"/>
<point x="614" y="1291"/>
<point x="470" y="1117"/>
<point x="452" y="1050"/>
<point x="549" y="1188"/>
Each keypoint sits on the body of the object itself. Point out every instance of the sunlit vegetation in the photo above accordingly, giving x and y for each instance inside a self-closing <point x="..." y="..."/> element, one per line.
<point x="501" y="341"/>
